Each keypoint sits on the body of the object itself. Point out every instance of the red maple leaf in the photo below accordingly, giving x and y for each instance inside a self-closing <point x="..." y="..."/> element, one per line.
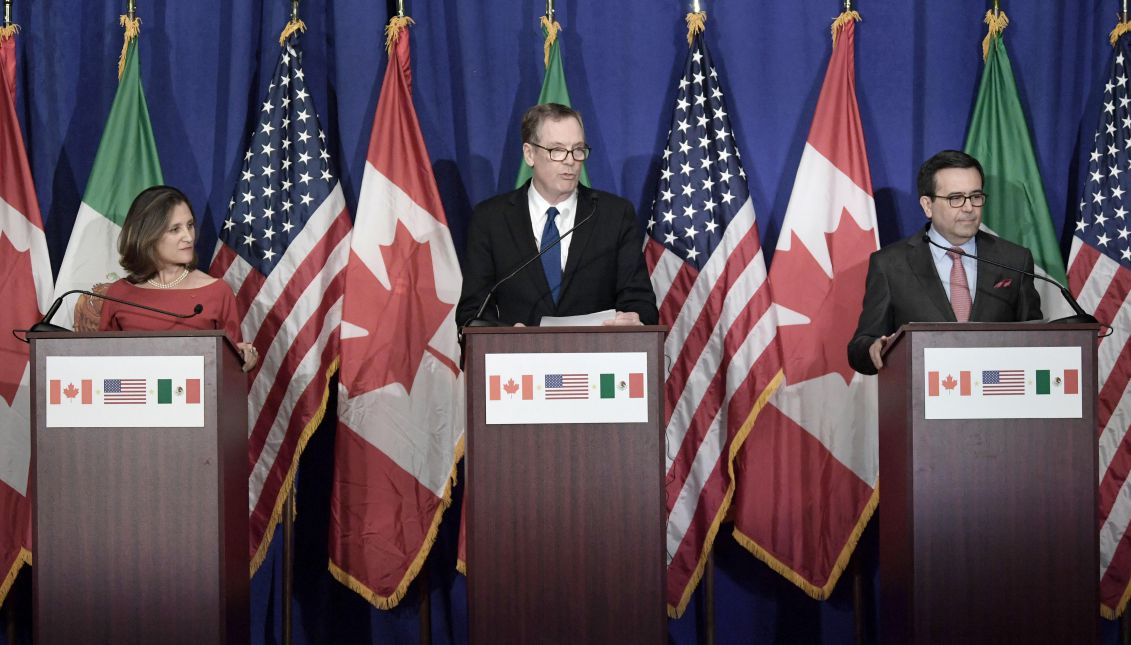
<point x="510" y="387"/>
<point x="71" y="391"/>
<point x="949" y="383"/>
<point x="400" y="320"/>
<point x="832" y="304"/>
<point x="17" y="292"/>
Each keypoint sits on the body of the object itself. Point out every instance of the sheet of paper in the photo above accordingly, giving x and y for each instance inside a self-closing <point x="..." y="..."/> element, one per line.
<point x="588" y="320"/>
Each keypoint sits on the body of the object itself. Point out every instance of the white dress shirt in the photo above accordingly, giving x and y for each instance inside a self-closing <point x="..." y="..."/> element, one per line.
<point x="567" y="211"/>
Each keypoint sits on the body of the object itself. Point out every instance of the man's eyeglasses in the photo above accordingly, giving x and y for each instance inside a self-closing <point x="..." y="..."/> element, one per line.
<point x="581" y="153"/>
<point x="958" y="200"/>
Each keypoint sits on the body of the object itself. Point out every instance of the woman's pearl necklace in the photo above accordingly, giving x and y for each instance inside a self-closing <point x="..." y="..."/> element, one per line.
<point x="169" y="285"/>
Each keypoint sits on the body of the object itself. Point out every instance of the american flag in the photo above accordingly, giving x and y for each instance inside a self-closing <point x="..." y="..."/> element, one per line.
<point x="1002" y="382"/>
<point x="123" y="391"/>
<point x="567" y="386"/>
<point x="282" y="249"/>
<point x="709" y="276"/>
<point x="1099" y="275"/>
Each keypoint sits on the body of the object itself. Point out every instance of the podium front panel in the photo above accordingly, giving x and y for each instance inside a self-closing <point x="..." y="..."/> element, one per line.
<point x="140" y="533"/>
<point x="988" y="526"/>
<point x="566" y="521"/>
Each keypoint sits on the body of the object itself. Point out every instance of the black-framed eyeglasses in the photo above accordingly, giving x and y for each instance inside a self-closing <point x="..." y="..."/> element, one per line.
<point x="580" y="153"/>
<point x="958" y="200"/>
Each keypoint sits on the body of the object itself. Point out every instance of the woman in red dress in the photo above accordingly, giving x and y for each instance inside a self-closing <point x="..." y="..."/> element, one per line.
<point x="157" y="248"/>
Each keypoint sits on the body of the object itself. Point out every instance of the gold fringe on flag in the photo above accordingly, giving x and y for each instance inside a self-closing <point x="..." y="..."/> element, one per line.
<point x="1120" y="29"/>
<point x="8" y="31"/>
<point x="133" y="28"/>
<point x="997" y="22"/>
<point x="393" y="30"/>
<point x="552" y="28"/>
<point x="292" y="27"/>
<point x="842" y="20"/>
<point x="696" y="24"/>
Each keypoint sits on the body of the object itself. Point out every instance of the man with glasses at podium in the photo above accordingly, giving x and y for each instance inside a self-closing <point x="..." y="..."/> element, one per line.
<point x="523" y="263"/>
<point x="935" y="275"/>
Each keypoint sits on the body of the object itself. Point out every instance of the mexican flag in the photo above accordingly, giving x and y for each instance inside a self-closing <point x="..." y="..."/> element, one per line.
<point x="554" y="88"/>
<point x="1016" y="208"/>
<point x="125" y="165"/>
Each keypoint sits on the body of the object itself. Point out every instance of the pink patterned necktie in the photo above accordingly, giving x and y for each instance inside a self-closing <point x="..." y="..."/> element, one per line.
<point x="959" y="288"/>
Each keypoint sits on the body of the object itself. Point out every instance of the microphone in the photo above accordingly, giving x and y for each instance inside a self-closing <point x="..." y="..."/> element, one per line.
<point x="45" y="323"/>
<point x="1081" y="315"/>
<point x="476" y="321"/>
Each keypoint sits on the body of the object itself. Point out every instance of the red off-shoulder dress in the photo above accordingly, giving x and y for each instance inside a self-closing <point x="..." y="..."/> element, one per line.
<point x="218" y="302"/>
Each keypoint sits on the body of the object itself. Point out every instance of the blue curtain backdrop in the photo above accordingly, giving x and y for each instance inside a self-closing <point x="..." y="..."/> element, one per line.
<point x="477" y="66"/>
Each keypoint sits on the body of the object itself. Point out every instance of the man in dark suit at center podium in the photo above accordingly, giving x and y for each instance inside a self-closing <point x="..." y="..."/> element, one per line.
<point x="600" y="266"/>
<point x="914" y="280"/>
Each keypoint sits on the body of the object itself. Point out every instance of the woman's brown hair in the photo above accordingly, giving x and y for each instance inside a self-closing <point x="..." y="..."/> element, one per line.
<point x="146" y="222"/>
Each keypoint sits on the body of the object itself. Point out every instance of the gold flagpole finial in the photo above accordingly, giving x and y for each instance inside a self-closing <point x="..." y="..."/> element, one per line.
<point x="132" y="26"/>
<point x="552" y="28"/>
<point x="397" y="24"/>
<point x="696" y="21"/>
<point x="293" y="26"/>
<point x="847" y="16"/>
<point x="9" y="28"/>
<point x="996" y="22"/>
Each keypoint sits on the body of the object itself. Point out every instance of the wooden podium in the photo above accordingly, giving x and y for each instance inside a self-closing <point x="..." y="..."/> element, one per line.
<point x="565" y="520"/>
<point x="140" y="533"/>
<point x="988" y="526"/>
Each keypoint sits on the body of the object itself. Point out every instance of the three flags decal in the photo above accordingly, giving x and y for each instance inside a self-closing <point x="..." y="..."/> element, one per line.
<point x="566" y="386"/>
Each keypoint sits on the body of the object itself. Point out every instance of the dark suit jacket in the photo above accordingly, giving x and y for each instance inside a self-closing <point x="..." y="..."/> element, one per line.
<point x="604" y="269"/>
<point x="903" y="286"/>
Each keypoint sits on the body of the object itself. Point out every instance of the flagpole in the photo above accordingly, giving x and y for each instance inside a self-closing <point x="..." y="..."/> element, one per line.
<point x="131" y="9"/>
<point x="8" y="13"/>
<point x="550" y="10"/>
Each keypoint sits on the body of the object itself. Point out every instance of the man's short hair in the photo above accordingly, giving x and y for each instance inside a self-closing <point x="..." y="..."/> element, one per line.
<point x="941" y="161"/>
<point x="537" y="115"/>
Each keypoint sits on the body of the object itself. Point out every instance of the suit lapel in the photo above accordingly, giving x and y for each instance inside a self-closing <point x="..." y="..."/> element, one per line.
<point x="580" y="237"/>
<point x="988" y="274"/>
<point x="923" y="266"/>
<point x="522" y="239"/>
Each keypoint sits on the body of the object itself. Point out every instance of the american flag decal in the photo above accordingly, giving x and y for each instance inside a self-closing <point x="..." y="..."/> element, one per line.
<point x="1003" y="382"/>
<point x="123" y="391"/>
<point x="567" y="386"/>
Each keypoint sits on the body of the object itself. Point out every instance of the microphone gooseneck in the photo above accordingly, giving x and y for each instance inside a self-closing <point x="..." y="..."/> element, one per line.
<point x="1081" y="315"/>
<point x="477" y="320"/>
<point x="45" y="323"/>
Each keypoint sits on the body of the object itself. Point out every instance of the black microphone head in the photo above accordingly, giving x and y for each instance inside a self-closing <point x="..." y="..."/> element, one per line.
<point x="197" y="309"/>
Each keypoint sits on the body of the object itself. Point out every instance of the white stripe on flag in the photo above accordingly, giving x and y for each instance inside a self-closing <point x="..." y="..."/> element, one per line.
<point x="754" y="345"/>
<point x="20" y="232"/>
<point x="91" y="257"/>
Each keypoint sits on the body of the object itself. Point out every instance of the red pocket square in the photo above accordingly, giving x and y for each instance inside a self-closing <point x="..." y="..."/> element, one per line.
<point x="1002" y="284"/>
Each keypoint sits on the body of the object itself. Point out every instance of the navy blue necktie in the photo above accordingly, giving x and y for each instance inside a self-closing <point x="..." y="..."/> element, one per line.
<point x="552" y="259"/>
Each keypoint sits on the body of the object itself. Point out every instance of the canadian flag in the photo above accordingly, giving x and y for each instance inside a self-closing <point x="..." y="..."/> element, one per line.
<point x="400" y="397"/>
<point x="807" y="472"/>
<point x="25" y="291"/>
